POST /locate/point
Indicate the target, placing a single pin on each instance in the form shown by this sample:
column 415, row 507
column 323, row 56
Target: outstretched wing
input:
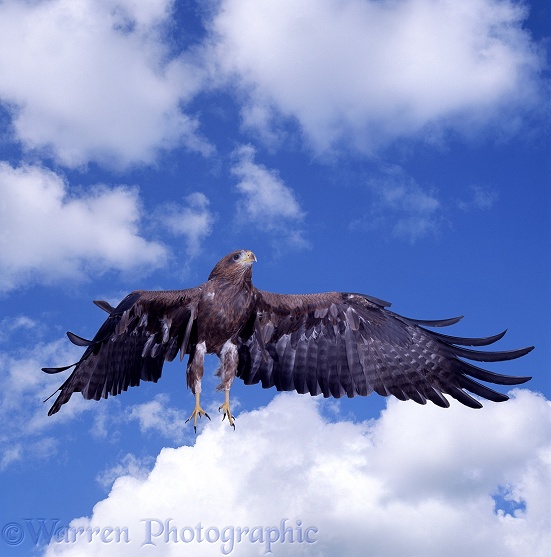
column 141, row 333
column 348, row 344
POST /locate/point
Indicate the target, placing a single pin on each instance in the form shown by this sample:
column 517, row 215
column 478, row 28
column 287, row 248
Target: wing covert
column 146, row 329
column 339, row 344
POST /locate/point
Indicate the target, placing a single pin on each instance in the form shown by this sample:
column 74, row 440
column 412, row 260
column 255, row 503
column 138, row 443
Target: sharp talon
column 226, row 411
column 197, row 413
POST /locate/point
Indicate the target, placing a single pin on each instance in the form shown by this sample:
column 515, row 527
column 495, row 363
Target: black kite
column 332, row 343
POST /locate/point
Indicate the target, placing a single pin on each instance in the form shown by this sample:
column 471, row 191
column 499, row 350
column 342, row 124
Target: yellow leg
column 197, row 412
column 226, row 408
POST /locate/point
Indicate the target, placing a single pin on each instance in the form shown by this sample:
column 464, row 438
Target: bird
column 332, row 344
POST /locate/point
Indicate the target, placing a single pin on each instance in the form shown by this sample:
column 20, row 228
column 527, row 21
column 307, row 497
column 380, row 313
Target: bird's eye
column 236, row 256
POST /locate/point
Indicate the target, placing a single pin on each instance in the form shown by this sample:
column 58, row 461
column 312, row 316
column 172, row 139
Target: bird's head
column 235, row 265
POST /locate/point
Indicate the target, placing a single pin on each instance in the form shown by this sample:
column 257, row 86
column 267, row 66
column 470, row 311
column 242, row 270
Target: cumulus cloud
column 193, row 220
column 365, row 73
column 23, row 387
column 87, row 80
column 266, row 201
column 47, row 234
column 129, row 465
column 100, row 81
column 158, row 418
column 413, row 481
column 401, row 206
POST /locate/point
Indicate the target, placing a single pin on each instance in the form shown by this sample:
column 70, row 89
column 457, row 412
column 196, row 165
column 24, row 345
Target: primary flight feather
column 333, row 343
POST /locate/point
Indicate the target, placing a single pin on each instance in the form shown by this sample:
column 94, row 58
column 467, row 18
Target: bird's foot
column 227, row 412
column 197, row 413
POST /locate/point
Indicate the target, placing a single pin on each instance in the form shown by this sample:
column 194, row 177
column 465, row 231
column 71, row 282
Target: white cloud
column 47, row 234
column 88, row 80
column 401, row 206
column 266, row 197
column 412, row 482
column 193, row 220
column 365, row 73
column 9, row 325
column 267, row 202
column 23, row 388
column 156, row 417
column 129, row 465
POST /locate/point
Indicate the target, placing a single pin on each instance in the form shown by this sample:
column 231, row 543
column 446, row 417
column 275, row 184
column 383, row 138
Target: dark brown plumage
column 332, row 343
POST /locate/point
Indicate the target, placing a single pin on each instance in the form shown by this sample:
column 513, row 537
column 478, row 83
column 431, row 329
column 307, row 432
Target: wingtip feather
column 52, row 370
column 78, row 341
column 105, row 306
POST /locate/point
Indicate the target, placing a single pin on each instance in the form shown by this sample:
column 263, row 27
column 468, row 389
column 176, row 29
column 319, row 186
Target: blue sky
column 399, row 149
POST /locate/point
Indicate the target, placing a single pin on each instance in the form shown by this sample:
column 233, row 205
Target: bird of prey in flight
column 332, row 343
